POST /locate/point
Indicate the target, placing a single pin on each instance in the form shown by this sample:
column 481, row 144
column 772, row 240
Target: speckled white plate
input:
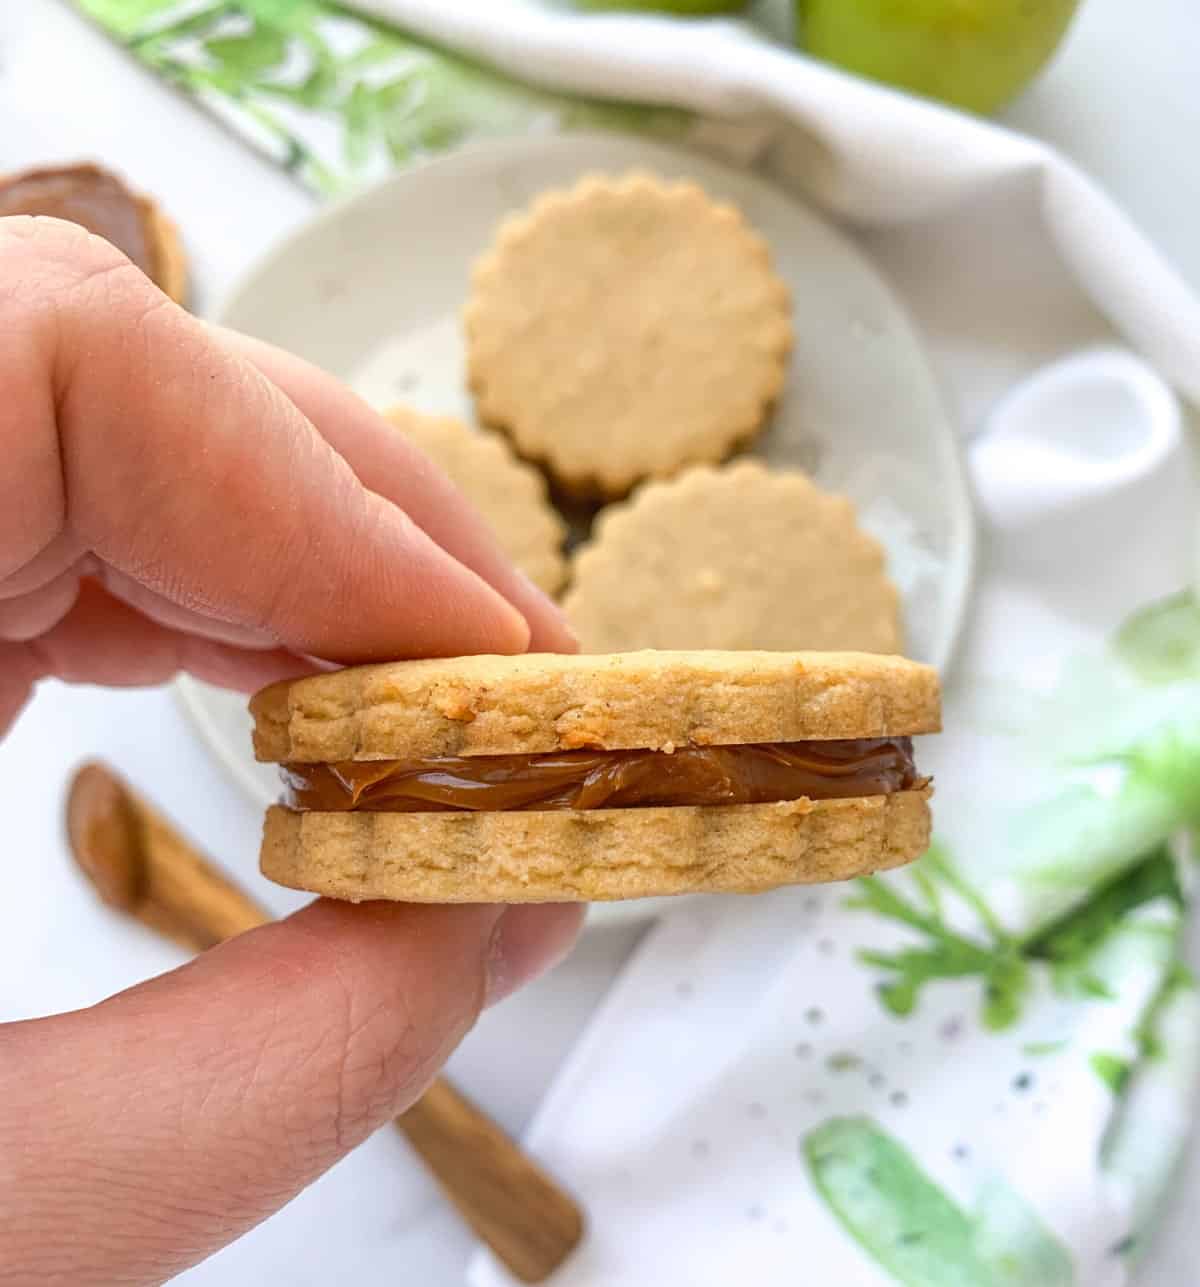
column 371, row 290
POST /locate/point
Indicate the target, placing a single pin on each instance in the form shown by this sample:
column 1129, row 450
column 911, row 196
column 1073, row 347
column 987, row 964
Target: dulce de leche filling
column 689, row 775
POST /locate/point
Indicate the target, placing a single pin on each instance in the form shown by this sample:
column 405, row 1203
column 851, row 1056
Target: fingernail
column 522, row 627
column 529, row 940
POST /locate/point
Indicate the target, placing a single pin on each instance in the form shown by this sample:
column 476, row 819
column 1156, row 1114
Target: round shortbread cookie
column 591, row 855
column 547, row 702
column 510, row 494
column 625, row 329
column 737, row 557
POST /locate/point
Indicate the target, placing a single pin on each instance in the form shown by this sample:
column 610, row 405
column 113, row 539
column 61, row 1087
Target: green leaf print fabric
column 891, row 1208
column 337, row 98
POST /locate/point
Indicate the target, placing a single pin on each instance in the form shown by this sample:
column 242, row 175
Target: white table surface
column 1121, row 98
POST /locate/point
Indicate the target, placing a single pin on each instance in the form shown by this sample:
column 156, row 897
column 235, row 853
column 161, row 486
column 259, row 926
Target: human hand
column 176, row 498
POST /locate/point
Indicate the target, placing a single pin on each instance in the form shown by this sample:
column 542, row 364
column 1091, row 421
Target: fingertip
column 393, row 467
column 549, row 629
column 522, row 630
column 529, row 940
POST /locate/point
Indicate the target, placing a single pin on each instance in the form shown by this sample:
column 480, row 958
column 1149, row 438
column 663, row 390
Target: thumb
column 145, row 1132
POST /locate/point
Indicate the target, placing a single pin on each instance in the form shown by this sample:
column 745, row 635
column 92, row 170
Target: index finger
column 178, row 463
column 389, row 464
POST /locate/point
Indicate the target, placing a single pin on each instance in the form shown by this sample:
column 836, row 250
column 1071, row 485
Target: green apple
column 976, row 54
column 667, row 6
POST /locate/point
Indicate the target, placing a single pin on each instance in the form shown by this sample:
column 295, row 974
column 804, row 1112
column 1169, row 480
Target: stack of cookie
column 546, row 778
column 625, row 338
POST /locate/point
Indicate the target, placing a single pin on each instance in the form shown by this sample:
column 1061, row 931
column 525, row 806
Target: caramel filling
column 86, row 195
column 690, row 775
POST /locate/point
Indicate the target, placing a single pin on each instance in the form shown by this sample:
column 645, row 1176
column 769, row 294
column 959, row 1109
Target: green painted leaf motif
column 1037, row 1049
column 948, row 959
column 914, row 1230
column 995, row 960
column 938, row 863
column 1149, row 1036
column 247, row 57
column 1074, row 980
column 1112, row 1070
column 125, row 18
column 999, row 961
column 293, row 15
column 1170, row 764
column 1005, row 988
column 899, row 997
column 1011, row 1238
column 320, row 89
column 1073, row 936
column 1161, row 643
column 925, row 882
column 891, row 1208
column 360, row 119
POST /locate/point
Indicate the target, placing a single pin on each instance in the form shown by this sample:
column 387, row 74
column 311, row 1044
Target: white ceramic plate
column 371, row 290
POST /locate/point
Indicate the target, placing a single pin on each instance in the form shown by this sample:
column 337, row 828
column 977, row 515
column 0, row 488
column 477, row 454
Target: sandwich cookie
column 548, row 778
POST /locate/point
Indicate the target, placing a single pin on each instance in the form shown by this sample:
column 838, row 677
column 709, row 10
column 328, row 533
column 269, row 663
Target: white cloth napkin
column 992, row 1097
column 744, row 1108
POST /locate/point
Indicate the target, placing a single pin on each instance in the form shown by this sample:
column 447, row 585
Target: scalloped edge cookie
column 550, row 702
column 591, row 855
column 736, row 557
column 624, row 329
column 511, row 495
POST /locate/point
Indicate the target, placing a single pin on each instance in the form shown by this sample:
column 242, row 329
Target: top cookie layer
column 544, row 702
column 510, row 494
column 625, row 329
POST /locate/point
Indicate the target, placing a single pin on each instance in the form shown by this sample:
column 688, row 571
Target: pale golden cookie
column 546, row 702
column 737, row 557
column 510, row 494
column 591, row 855
column 847, row 709
column 625, row 329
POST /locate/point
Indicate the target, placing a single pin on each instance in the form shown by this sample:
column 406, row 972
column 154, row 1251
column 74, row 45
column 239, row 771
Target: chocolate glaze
column 89, row 196
column 691, row 775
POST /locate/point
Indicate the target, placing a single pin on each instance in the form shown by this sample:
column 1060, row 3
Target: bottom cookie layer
column 591, row 855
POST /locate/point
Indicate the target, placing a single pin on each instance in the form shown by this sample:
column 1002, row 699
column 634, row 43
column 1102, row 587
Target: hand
column 173, row 497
